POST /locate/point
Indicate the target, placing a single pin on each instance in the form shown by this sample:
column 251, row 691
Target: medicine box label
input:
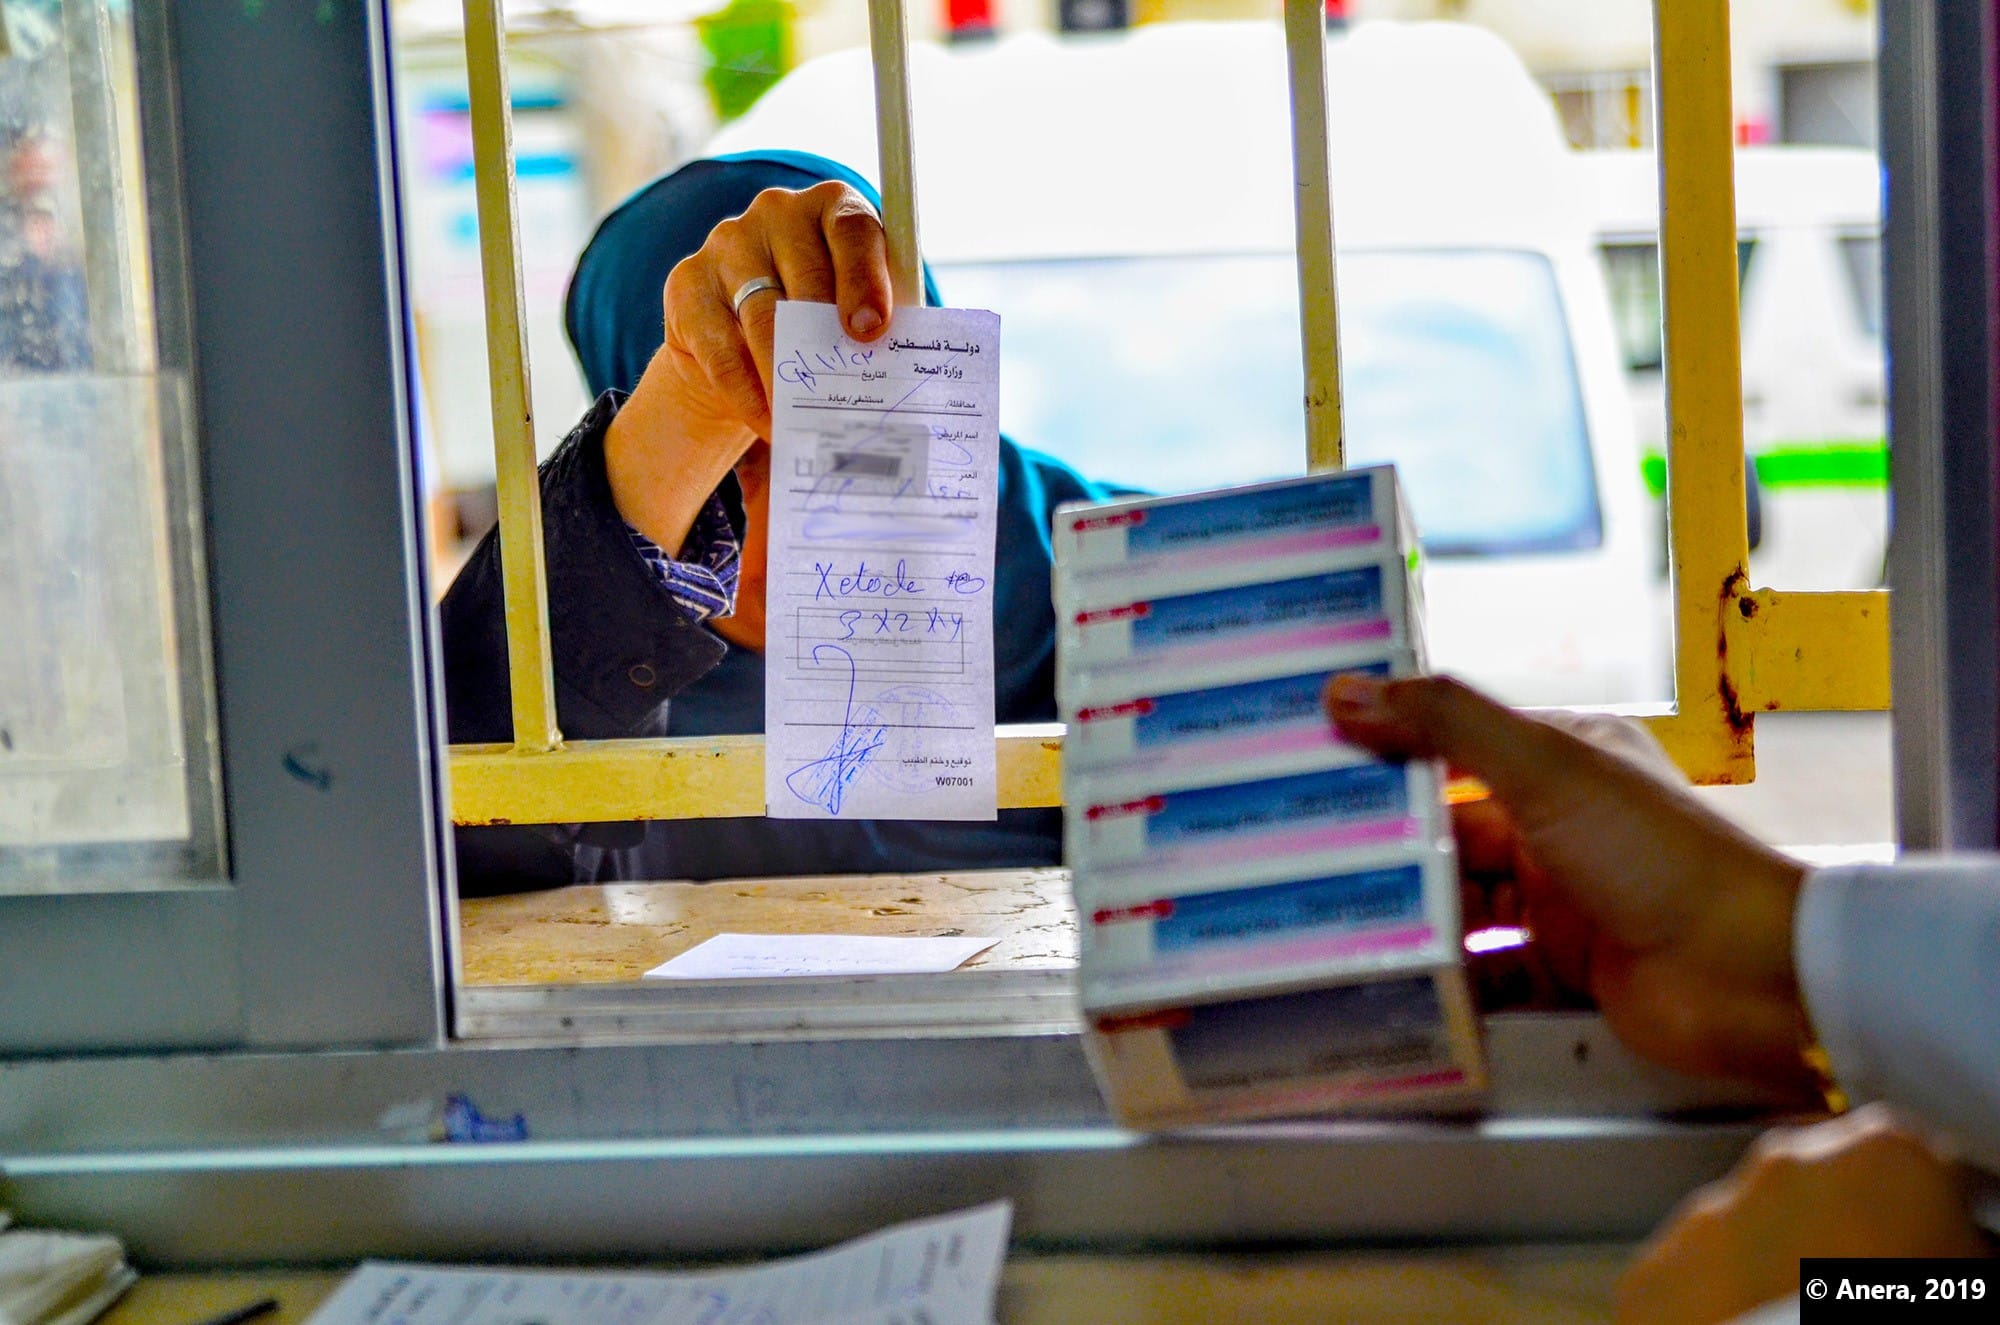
column 1258, row 521
column 1388, row 896
column 1385, row 1042
column 1297, row 931
column 1236, row 915
column 1349, row 607
column 1360, row 805
column 1386, row 1027
column 1256, row 722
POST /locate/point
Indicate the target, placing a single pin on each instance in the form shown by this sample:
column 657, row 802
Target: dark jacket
column 629, row 661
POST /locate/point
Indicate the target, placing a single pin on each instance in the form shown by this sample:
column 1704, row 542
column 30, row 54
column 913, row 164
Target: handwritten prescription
column 878, row 662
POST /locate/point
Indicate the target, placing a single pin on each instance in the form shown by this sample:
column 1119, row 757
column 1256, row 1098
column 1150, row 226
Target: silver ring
column 755, row 285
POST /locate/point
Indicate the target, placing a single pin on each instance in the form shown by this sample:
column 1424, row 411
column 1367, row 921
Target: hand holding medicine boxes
column 1270, row 917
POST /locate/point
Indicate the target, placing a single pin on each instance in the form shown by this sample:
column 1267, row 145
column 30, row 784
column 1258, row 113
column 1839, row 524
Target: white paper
column 47, row 1277
column 944, row 1270
column 741, row 956
column 878, row 660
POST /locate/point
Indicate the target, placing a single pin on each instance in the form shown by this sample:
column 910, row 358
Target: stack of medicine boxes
column 1270, row 918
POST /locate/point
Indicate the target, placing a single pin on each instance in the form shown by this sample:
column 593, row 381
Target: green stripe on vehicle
column 1830, row 465
column 1822, row 465
column 1654, row 466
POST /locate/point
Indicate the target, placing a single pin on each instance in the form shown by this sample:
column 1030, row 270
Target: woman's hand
column 704, row 404
column 1678, row 923
column 1859, row 1185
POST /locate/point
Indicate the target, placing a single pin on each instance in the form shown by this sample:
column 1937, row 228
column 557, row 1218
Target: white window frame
column 280, row 1128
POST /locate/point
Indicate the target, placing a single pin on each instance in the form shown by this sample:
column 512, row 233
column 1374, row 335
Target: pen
column 250, row 1311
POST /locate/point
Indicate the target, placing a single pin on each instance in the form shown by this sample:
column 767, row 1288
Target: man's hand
column 1859, row 1185
column 704, row 402
column 1678, row 924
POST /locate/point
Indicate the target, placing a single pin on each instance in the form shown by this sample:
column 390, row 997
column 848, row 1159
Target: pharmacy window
column 324, row 317
column 1481, row 354
column 165, row 276
column 1524, row 479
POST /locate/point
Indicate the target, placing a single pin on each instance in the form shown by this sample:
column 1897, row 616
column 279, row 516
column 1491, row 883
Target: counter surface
column 1551, row 1285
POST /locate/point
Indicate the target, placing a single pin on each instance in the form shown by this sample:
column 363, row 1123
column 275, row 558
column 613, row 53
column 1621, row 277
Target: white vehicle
column 1809, row 226
column 1125, row 203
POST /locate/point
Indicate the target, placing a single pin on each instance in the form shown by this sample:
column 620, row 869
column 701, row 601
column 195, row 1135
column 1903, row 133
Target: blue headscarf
column 613, row 313
column 614, row 319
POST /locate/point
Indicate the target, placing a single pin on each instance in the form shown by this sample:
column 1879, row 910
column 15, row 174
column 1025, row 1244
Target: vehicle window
column 1632, row 271
column 1183, row 372
column 1862, row 256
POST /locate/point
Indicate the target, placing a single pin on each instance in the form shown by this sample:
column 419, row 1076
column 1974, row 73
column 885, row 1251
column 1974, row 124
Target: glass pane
column 1862, row 256
column 107, row 731
column 1632, row 271
column 1499, row 465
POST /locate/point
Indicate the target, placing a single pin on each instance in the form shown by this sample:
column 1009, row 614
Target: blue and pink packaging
column 1391, row 1043
column 1211, row 539
column 1261, row 727
column 1235, row 865
column 1122, row 642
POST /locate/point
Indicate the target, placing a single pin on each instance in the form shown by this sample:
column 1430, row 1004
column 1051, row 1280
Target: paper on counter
column 944, row 1270
column 53, row 1278
column 878, row 658
column 749, row 956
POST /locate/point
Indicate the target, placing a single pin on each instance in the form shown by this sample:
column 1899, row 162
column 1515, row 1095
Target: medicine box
column 1113, row 645
column 1398, row 1041
column 1262, row 727
column 1346, row 917
column 1208, row 539
column 1234, row 864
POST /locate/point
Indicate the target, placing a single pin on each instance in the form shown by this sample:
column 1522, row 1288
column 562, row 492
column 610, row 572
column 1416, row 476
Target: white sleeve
column 1900, row 965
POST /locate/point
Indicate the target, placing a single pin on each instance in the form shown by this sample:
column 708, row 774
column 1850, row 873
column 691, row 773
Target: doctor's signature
column 824, row 781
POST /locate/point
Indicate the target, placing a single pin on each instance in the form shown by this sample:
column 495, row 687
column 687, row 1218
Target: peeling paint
column 1732, row 708
column 1735, row 586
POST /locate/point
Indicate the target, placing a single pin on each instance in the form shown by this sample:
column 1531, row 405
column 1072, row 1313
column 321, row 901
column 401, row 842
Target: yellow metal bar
column 716, row 777
column 1737, row 652
column 1809, row 651
column 889, row 45
column 520, row 494
column 1708, row 546
column 1312, row 200
column 1693, row 746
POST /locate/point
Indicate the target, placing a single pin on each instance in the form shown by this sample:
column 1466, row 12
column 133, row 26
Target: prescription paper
column 878, row 662
column 944, row 1271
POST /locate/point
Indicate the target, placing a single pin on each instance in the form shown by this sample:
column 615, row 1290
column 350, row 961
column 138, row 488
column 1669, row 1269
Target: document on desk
column 767, row 956
column 878, row 660
column 944, row 1271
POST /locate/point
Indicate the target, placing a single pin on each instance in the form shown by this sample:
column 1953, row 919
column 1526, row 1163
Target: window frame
column 300, row 388
column 1938, row 114
column 714, row 1139
column 1739, row 651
